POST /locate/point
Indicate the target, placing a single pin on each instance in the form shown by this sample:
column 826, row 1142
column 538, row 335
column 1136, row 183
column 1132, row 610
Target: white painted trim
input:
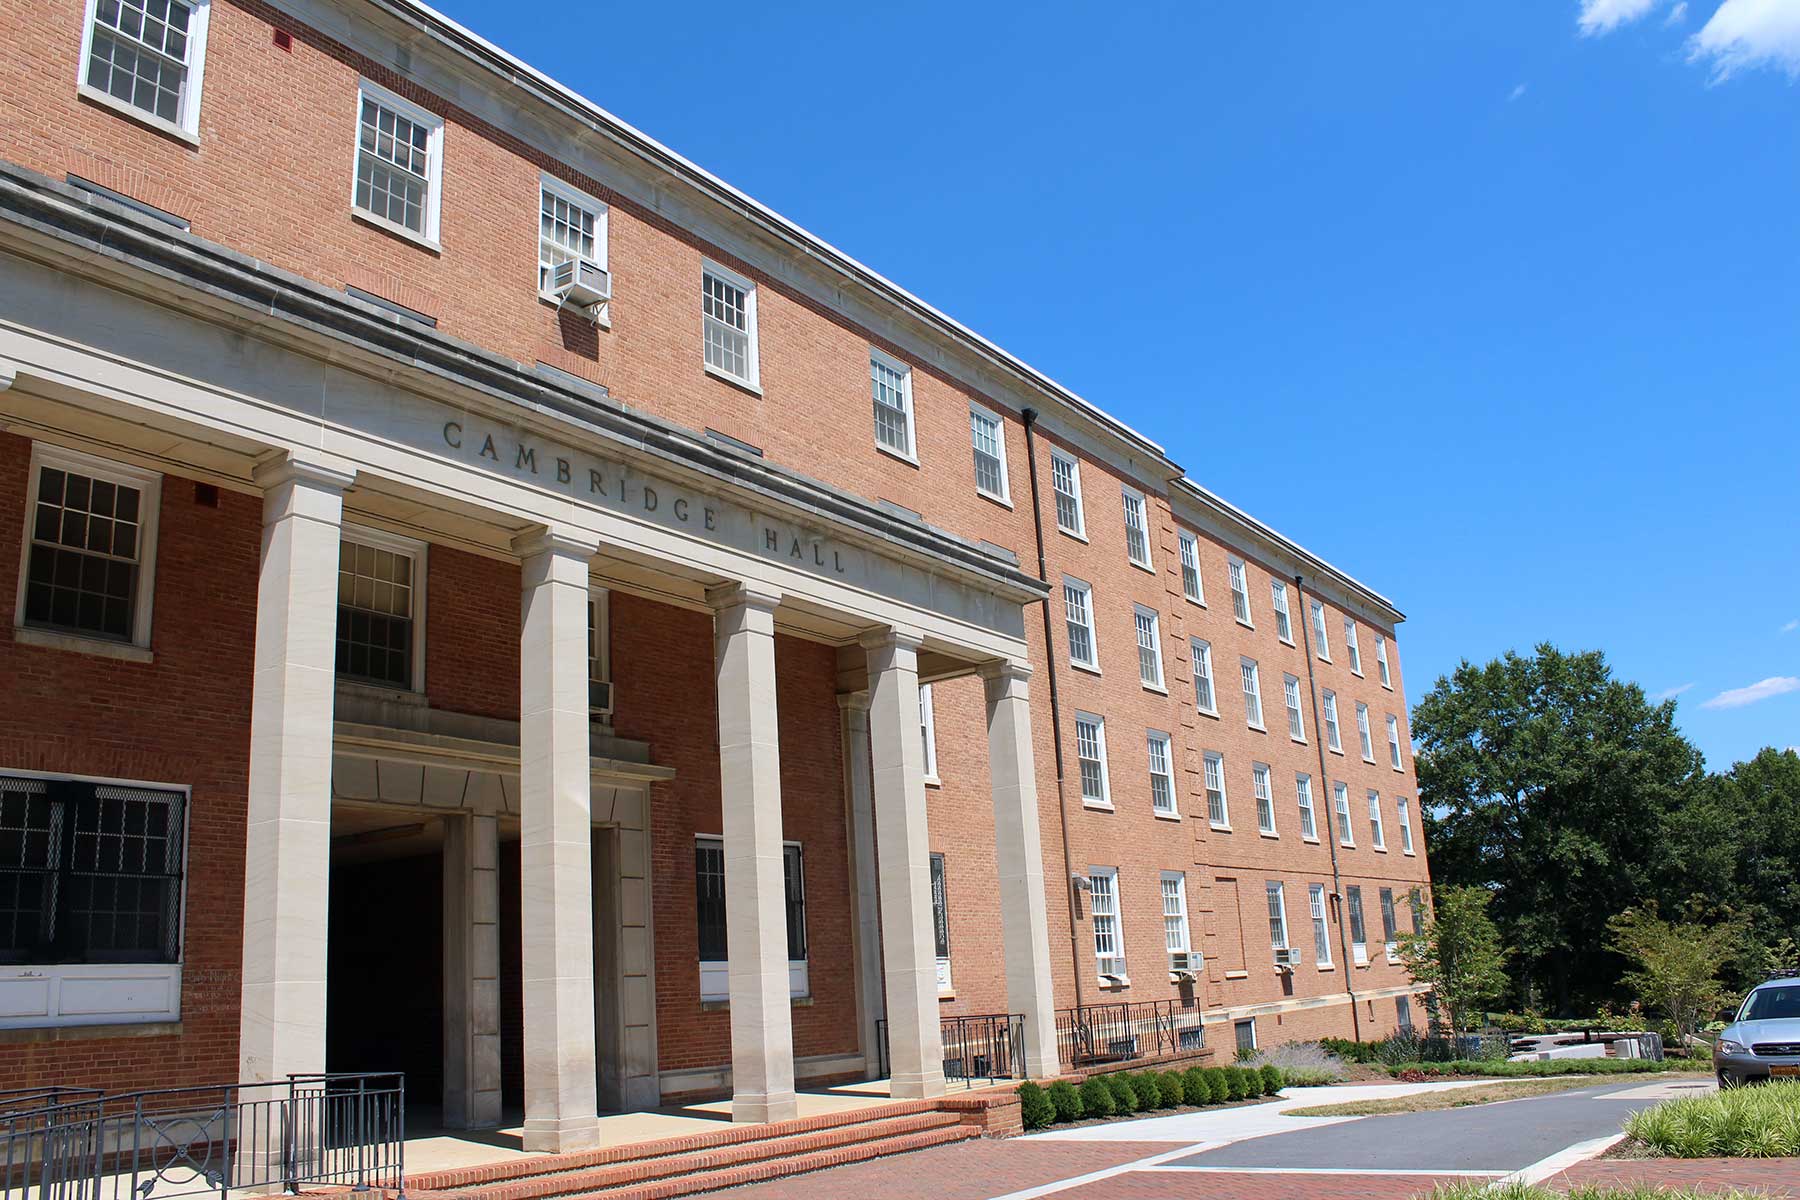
column 434, row 162
column 1127, row 492
column 602, row 228
column 187, row 128
column 1099, row 723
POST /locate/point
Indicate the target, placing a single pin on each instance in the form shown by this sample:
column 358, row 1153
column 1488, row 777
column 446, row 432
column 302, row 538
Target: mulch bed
column 1157, row 1112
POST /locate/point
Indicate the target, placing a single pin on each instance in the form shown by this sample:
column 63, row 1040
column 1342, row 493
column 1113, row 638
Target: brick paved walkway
column 1774, row 1176
column 968, row 1171
column 1224, row 1185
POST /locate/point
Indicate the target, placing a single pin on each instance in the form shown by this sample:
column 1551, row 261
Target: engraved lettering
column 795, row 551
column 818, row 555
column 487, row 449
column 595, row 483
column 712, row 519
column 453, row 435
column 681, row 509
column 772, row 540
column 838, row 560
column 527, row 458
column 562, row 470
column 649, row 499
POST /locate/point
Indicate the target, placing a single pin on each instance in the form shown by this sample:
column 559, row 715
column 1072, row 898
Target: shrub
column 1307, row 1077
column 1235, row 1081
column 1271, row 1079
column 1148, row 1086
column 1174, row 1090
column 1125, row 1097
column 1310, row 1061
column 1035, row 1108
column 1097, row 1097
column 1756, row 1122
column 1066, row 1101
column 1532, row 1069
column 1218, row 1083
column 1195, row 1087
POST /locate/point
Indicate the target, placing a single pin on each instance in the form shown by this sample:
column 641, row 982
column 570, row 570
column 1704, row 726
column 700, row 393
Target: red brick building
column 328, row 332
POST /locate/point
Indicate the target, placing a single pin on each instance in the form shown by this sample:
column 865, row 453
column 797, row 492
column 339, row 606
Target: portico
column 552, row 481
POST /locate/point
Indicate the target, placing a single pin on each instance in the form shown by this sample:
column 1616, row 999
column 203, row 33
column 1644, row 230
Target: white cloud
column 1604, row 16
column 1749, row 33
column 1791, row 626
column 1518, row 90
column 1677, row 15
column 1670, row 693
column 1763, row 689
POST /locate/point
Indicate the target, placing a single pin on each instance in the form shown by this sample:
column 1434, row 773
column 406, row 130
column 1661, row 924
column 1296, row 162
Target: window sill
column 1158, row 688
column 1245, row 624
column 1369, row 760
column 736, row 381
column 1298, row 741
column 909, row 459
column 1311, row 841
column 1145, row 567
column 396, row 229
column 1286, row 641
column 1268, row 833
column 51, row 639
column 1379, row 849
column 1165, row 816
column 1117, row 983
column 946, row 997
column 1327, row 966
column 34, row 1034
column 1356, row 672
column 1410, row 853
column 1346, row 845
column 130, row 113
column 933, row 781
column 1324, row 658
column 725, row 1005
column 383, row 691
column 1081, row 666
column 1070, row 533
column 1193, row 600
column 1098, row 806
column 1254, row 726
column 1337, row 750
column 1217, row 828
column 1208, row 712
column 1003, row 501
column 1237, row 974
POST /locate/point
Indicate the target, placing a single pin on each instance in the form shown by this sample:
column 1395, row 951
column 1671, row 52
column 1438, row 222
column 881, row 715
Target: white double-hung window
column 1191, row 584
column 1065, row 483
column 728, row 324
column 1332, row 738
column 928, row 731
column 1351, row 644
column 1240, row 590
column 1362, row 732
column 1340, row 802
column 989, row 441
column 1403, row 813
column 1103, row 909
column 1315, row 896
column 147, row 56
column 1252, row 679
column 1265, row 798
column 571, row 228
column 1278, row 930
column 890, row 389
column 90, row 548
column 1149, row 644
column 399, row 163
column 1393, row 728
column 1309, row 828
column 1176, row 938
column 710, row 910
column 1078, row 615
column 380, row 609
column 1284, row 623
column 1218, row 813
column 1381, row 661
column 1359, row 935
column 1377, row 835
column 1319, row 634
column 1290, row 693
column 1162, row 780
column 1137, row 529
column 1090, row 752
column 1203, row 677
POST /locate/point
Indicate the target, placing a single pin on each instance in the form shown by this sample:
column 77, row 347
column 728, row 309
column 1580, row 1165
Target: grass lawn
column 1514, row 1089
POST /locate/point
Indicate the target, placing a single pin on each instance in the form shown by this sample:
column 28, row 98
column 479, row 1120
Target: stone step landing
column 726, row 1157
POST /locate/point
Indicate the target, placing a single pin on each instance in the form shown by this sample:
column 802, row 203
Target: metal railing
column 1095, row 1034
column 983, row 1047
column 342, row 1131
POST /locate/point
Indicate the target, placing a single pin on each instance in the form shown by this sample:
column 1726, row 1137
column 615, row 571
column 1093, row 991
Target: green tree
column 1458, row 954
column 1551, row 785
column 1677, row 964
column 1749, row 817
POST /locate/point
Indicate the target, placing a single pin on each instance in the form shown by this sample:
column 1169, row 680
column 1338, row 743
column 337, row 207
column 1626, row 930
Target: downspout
column 1331, row 837
column 1062, row 797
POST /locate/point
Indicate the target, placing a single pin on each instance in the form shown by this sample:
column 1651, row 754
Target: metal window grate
column 86, row 542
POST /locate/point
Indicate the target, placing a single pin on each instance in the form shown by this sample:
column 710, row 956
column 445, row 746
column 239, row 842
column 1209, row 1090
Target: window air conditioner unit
column 1178, row 960
column 1287, row 956
column 600, row 699
column 580, row 283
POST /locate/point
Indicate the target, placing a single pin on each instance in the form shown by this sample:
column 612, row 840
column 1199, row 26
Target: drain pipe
column 1331, row 837
column 1062, row 797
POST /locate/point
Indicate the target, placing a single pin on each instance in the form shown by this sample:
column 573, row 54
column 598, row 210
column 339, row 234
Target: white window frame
column 1190, row 563
column 1351, row 644
column 1275, row 894
column 1263, row 789
column 1201, row 651
column 1004, row 495
column 1321, row 924
column 1362, row 732
column 1064, row 459
column 1115, row 912
column 1377, row 831
column 1140, row 613
column 381, row 539
column 911, row 453
column 1334, row 739
column 1129, row 496
column 1212, row 766
column 148, row 485
column 575, row 198
column 1381, row 662
column 1237, row 574
column 1290, row 696
column 187, row 124
column 434, row 163
column 1320, row 631
column 1340, row 803
column 1178, row 936
column 1403, row 815
column 1390, row 923
column 1250, row 677
column 1303, row 799
column 1393, row 732
column 945, row 985
column 1157, row 742
column 928, row 732
column 1086, row 591
column 600, row 647
column 753, row 352
column 1099, row 724
column 1284, row 618
column 715, row 976
column 1356, row 915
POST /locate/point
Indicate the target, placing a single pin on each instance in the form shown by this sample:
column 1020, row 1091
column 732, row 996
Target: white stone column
column 287, row 839
column 556, row 846
column 908, row 941
column 471, row 971
column 762, row 1033
column 859, row 794
column 1019, row 855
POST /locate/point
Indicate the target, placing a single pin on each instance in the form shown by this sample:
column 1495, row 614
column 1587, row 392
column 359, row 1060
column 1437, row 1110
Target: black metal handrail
column 980, row 1047
column 334, row 1130
column 1095, row 1034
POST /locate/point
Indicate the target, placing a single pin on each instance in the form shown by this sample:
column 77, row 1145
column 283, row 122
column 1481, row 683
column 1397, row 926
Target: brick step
column 781, row 1168
column 718, row 1160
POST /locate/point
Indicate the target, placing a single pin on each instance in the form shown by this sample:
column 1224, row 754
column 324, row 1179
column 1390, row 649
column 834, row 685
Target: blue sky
column 1495, row 305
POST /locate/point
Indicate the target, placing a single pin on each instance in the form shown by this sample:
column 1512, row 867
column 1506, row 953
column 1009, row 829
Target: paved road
column 1500, row 1137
